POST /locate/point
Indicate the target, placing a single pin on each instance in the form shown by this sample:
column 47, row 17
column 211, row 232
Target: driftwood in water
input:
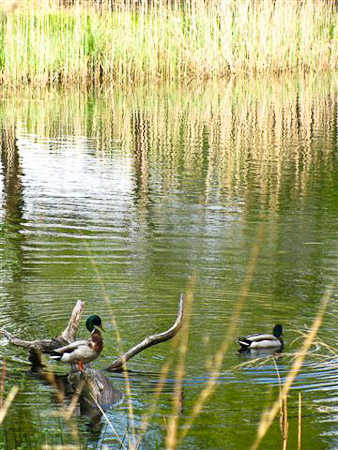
column 90, row 389
column 69, row 333
column 97, row 388
column 47, row 345
column 94, row 389
column 150, row 340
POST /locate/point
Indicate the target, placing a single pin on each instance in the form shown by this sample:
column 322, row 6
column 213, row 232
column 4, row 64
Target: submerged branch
column 151, row 340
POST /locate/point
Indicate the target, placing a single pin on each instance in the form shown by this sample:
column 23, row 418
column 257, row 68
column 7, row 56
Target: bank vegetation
column 95, row 42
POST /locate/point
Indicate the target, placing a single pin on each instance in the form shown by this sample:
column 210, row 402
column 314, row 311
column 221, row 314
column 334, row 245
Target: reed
column 132, row 439
column 218, row 358
column 299, row 421
column 7, row 403
column 173, row 422
column 50, row 42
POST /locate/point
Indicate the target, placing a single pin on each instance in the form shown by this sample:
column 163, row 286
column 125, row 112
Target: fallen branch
column 46, row 345
column 96, row 388
column 149, row 341
column 69, row 333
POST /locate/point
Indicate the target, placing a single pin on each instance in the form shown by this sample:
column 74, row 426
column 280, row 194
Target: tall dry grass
column 5, row 405
column 48, row 42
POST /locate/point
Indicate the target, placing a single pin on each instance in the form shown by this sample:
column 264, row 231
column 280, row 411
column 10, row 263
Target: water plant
column 102, row 41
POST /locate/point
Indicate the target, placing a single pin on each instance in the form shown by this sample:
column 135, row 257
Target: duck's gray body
column 261, row 341
column 77, row 351
column 85, row 350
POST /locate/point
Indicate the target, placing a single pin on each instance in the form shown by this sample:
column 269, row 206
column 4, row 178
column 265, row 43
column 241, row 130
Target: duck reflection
column 86, row 393
column 263, row 353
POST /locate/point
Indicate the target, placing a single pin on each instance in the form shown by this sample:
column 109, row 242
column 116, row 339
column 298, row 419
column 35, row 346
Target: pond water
column 121, row 199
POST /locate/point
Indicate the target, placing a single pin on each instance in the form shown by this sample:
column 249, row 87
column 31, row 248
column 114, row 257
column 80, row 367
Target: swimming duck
column 263, row 341
column 82, row 351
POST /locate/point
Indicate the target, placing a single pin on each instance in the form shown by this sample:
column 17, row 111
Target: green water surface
column 121, row 199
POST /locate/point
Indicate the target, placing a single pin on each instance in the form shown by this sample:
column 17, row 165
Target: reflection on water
column 117, row 198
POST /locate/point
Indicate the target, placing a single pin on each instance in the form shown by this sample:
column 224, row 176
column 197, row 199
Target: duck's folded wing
column 272, row 342
column 71, row 347
column 261, row 337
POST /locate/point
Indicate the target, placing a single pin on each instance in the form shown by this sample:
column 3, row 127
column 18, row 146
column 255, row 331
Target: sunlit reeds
column 218, row 358
column 93, row 42
column 7, row 403
column 299, row 421
column 132, row 438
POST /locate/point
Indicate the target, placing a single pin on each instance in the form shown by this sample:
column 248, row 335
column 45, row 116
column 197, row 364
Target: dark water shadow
column 89, row 393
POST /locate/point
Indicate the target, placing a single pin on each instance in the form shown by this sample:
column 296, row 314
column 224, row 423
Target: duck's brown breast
column 97, row 342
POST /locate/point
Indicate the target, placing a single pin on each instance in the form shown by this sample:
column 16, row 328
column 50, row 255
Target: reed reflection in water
column 219, row 133
column 150, row 186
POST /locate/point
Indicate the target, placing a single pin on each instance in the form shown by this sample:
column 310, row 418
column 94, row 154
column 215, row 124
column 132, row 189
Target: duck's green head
column 278, row 331
column 93, row 322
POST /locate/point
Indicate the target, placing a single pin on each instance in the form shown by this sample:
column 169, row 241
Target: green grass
column 46, row 43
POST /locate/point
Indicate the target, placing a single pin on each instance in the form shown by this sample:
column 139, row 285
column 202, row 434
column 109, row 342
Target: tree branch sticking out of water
column 69, row 333
column 66, row 337
column 92, row 385
column 149, row 341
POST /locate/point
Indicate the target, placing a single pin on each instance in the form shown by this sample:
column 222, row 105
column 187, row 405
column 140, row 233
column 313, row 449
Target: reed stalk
column 7, row 403
column 173, row 423
column 210, row 384
column 146, row 418
column 89, row 42
column 299, row 421
column 119, row 342
column 284, row 425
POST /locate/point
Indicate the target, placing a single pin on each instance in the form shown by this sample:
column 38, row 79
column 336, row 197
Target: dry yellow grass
column 46, row 43
column 7, row 403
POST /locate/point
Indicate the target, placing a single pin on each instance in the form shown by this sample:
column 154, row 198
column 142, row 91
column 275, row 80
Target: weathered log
column 69, row 333
column 149, row 341
column 90, row 388
column 47, row 345
column 97, row 388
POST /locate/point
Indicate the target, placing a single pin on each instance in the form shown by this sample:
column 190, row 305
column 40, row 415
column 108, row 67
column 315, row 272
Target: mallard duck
column 263, row 341
column 82, row 351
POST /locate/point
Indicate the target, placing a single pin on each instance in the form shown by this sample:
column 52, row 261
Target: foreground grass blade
column 268, row 416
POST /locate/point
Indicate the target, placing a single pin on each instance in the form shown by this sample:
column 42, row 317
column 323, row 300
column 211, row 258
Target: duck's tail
column 56, row 355
column 244, row 343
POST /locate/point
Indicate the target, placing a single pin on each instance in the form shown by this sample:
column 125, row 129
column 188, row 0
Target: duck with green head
column 263, row 341
column 82, row 351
